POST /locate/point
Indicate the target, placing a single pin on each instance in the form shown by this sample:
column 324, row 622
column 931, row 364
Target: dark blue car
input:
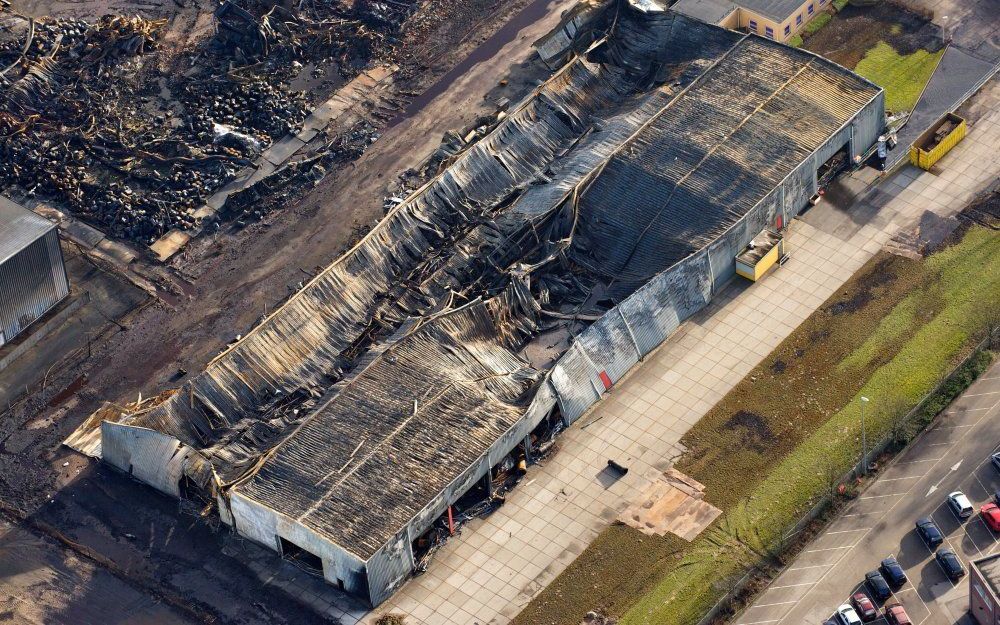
column 877, row 585
column 930, row 532
column 892, row 572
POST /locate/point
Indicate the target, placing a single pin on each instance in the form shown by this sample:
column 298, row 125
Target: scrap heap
column 96, row 119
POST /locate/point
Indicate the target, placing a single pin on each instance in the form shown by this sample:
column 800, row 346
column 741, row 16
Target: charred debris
column 106, row 120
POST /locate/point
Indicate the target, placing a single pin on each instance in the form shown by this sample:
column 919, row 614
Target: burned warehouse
column 32, row 275
column 502, row 298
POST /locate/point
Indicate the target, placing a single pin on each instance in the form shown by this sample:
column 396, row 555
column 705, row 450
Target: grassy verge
column 817, row 22
column 773, row 446
column 902, row 76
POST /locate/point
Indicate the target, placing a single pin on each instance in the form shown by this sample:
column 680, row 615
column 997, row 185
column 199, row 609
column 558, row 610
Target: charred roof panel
column 709, row 156
column 413, row 419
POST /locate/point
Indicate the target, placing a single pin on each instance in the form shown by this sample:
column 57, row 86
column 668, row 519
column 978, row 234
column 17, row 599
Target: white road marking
column 771, row 605
column 884, row 515
column 803, row 568
column 860, row 529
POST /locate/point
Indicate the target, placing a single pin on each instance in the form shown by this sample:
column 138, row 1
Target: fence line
column 853, row 472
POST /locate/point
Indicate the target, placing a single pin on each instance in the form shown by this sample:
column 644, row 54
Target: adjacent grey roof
column 989, row 568
column 778, row 10
column 19, row 228
column 711, row 11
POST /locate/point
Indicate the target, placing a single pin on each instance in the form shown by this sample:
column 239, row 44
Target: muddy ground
column 98, row 520
column 855, row 30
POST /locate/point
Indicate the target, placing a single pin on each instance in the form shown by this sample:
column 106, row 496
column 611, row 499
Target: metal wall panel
column 32, row 281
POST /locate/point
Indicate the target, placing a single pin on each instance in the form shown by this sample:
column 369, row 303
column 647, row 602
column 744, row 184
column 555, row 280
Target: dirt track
column 150, row 550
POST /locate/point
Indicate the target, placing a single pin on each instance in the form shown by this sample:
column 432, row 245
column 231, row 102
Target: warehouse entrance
column 300, row 556
column 833, row 166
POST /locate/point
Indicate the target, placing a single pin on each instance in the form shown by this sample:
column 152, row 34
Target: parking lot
column 952, row 455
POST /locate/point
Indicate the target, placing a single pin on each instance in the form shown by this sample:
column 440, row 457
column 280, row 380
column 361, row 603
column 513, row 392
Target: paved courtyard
column 496, row 565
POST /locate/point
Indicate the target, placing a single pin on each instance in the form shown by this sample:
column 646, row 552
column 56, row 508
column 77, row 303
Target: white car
column 960, row 505
column 847, row 616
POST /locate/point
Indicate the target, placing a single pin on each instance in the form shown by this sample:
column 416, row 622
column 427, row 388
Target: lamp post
column 864, row 439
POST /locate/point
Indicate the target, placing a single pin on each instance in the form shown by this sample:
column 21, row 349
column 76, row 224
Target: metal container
column 32, row 275
column 937, row 141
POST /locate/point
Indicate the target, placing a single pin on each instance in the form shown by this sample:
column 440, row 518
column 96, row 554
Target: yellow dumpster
column 937, row 141
column 760, row 255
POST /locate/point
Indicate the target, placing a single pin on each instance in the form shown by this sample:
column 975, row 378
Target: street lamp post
column 864, row 439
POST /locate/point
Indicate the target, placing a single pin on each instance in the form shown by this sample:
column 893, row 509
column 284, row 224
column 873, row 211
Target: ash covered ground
column 101, row 548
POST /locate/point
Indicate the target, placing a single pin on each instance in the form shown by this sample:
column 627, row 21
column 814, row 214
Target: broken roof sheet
column 415, row 417
column 19, row 227
column 710, row 156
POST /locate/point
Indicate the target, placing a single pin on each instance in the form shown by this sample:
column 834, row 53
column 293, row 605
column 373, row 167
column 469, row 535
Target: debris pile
column 95, row 120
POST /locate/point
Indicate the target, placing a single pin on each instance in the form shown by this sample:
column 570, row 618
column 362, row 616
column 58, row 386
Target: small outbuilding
column 984, row 590
column 32, row 275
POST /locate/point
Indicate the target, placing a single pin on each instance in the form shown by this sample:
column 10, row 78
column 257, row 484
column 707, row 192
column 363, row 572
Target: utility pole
column 864, row 439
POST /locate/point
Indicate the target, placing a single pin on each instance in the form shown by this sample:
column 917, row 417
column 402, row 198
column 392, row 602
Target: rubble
column 92, row 121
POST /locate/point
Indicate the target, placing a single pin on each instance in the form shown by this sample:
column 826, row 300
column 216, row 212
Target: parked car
column 950, row 563
column 960, row 505
column 895, row 614
column 847, row 616
column 892, row 572
column 877, row 585
column 996, row 496
column 930, row 532
column 991, row 516
column 995, row 459
column 864, row 606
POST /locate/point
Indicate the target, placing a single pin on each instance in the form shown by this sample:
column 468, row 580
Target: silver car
column 847, row 616
column 960, row 505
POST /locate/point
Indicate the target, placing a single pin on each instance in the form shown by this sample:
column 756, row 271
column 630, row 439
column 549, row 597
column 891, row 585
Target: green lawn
column 902, row 77
column 768, row 450
column 817, row 22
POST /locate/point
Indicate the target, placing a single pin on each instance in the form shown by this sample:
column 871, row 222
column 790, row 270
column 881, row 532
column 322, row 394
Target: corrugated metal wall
column 625, row 334
column 31, row 282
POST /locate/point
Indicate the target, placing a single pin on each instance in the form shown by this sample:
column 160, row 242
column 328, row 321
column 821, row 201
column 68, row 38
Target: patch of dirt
column 755, row 433
column 864, row 290
column 779, row 366
column 855, row 30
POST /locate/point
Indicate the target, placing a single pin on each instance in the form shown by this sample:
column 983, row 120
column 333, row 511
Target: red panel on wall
column 606, row 379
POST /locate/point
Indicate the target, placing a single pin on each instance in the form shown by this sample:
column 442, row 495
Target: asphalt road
column 951, row 455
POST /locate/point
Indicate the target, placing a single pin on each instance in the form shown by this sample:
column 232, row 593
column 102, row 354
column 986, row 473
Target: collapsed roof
column 385, row 376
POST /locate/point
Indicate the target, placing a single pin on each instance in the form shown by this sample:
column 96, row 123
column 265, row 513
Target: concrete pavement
column 498, row 564
column 952, row 455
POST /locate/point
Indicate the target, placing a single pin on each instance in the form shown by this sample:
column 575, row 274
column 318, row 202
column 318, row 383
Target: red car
column 864, row 606
column 991, row 515
column 896, row 615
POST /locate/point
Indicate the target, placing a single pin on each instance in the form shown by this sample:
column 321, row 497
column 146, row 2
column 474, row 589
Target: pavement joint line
column 984, row 394
column 881, row 496
column 920, row 461
column 788, row 586
column 953, row 427
column 891, row 508
column 829, row 549
column 774, row 620
column 896, row 479
column 771, row 605
column 803, row 568
column 860, row 529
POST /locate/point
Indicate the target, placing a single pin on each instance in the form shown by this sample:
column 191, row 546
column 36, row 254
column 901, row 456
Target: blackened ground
column 103, row 521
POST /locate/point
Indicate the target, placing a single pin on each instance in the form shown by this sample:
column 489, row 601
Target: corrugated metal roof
column 709, row 156
column 411, row 421
column 19, row 227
